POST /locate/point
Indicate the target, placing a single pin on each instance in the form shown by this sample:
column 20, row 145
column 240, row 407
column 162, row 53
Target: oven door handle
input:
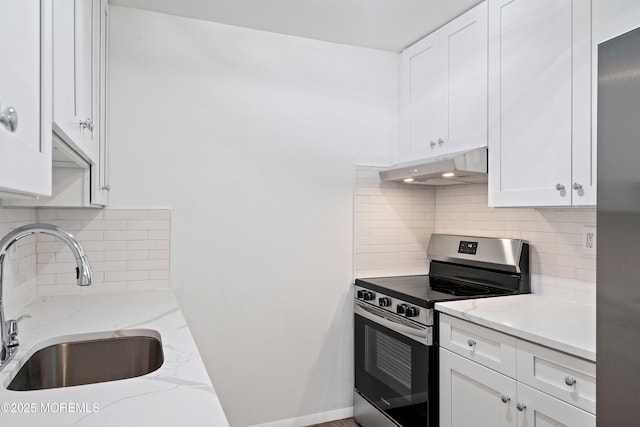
column 422, row 334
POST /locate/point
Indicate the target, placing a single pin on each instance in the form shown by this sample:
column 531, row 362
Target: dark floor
column 347, row 422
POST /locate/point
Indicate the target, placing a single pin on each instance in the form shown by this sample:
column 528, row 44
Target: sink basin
column 94, row 358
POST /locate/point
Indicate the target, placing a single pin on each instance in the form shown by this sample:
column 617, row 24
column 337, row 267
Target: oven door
column 395, row 365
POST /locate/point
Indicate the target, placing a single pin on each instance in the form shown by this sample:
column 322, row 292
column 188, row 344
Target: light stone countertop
column 553, row 322
column 178, row 393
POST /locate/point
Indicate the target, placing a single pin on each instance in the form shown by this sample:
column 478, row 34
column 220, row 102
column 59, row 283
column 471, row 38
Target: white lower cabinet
column 549, row 388
column 472, row 395
column 541, row 410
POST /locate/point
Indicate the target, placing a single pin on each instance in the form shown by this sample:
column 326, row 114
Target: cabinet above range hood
column 465, row 167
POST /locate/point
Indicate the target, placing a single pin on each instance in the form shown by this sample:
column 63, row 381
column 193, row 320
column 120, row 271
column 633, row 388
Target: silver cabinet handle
column 9, row 118
column 559, row 187
column 440, row 141
column 505, row 398
column 521, row 407
column 106, row 188
column 432, row 144
column 471, row 342
column 577, row 186
column 86, row 124
column 568, row 380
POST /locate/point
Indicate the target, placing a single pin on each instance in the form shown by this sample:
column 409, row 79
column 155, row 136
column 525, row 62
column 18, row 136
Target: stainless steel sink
column 94, row 358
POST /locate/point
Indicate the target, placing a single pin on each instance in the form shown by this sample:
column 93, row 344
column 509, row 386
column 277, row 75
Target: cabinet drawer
column 565, row 377
column 490, row 348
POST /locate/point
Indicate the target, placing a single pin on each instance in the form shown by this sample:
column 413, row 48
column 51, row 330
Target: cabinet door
column 418, row 99
column 472, row 395
column 463, row 75
column 25, row 153
column 99, row 171
column 531, row 64
column 542, row 410
column 73, row 103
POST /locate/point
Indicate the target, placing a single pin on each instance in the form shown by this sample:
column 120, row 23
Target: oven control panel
column 469, row 248
column 394, row 305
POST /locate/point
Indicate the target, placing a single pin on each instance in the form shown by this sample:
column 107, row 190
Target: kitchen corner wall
column 559, row 267
column 128, row 250
column 392, row 226
column 20, row 278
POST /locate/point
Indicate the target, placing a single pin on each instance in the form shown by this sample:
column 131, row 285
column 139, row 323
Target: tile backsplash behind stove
column 385, row 214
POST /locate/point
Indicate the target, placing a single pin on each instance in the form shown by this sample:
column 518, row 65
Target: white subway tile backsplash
column 147, row 244
column 392, row 226
column 148, row 224
column 125, row 235
column 124, row 214
column 554, row 235
column 159, row 274
column 382, row 214
column 120, row 246
column 101, row 224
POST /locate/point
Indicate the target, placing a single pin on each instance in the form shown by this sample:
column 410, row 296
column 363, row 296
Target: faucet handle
column 12, row 329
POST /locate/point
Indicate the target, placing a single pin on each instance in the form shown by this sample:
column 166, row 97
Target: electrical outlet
column 588, row 240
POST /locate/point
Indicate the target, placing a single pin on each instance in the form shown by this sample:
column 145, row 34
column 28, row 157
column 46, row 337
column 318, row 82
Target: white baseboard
column 307, row 420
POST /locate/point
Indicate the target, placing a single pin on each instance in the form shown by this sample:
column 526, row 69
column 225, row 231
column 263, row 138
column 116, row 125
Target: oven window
column 395, row 373
column 389, row 360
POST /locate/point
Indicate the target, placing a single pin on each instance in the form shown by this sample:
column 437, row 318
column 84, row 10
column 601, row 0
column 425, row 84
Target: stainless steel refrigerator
column 618, row 260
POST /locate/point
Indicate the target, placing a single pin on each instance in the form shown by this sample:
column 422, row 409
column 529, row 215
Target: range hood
column 465, row 167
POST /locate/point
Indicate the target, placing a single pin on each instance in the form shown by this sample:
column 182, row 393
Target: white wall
column 251, row 138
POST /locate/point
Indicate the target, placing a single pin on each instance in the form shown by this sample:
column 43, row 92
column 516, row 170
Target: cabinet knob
column 577, row 186
column 9, row 118
column 86, row 124
column 471, row 342
column 568, row 380
column 559, row 187
column 521, row 407
column 440, row 141
column 432, row 144
column 505, row 398
column 106, row 188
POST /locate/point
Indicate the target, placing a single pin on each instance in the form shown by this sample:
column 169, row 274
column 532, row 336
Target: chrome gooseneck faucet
column 9, row 329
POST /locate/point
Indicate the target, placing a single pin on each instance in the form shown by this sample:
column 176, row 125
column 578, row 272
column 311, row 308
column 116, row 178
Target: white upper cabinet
column 79, row 157
column 25, row 97
column 74, row 75
column 99, row 191
column 541, row 151
column 443, row 89
column 418, row 99
column 612, row 18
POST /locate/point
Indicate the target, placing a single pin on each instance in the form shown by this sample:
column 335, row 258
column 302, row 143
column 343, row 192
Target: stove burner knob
column 368, row 296
column 360, row 294
column 402, row 308
column 384, row 302
column 411, row 312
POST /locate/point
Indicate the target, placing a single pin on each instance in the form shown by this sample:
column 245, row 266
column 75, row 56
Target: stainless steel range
column 396, row 365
